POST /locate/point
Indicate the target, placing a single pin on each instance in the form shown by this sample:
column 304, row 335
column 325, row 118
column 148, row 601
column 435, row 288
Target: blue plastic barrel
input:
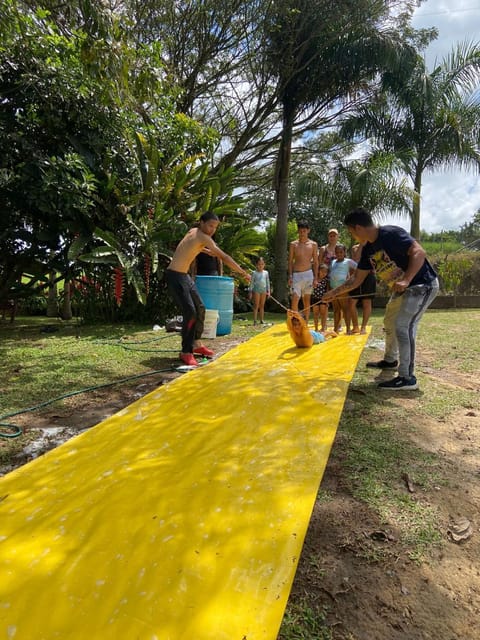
column 217, row 293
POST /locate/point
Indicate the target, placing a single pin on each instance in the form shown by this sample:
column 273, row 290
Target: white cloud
column 456, row 21
column 449, row 198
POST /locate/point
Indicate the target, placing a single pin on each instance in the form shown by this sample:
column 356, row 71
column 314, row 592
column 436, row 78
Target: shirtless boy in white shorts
column 302, row 268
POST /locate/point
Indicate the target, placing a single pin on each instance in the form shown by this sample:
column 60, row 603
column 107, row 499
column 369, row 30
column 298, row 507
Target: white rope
column 279, row 303
column 361, row 295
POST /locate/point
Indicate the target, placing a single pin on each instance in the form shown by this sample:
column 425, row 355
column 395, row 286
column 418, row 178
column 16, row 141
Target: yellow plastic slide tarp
column 182, row 517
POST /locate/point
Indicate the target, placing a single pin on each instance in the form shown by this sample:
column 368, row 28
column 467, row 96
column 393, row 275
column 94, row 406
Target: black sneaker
column 383, row 364
column 399, row 383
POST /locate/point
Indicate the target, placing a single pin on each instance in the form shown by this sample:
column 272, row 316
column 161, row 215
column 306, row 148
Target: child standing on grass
column 341, row 268
column 320, row 308
column 259, row 290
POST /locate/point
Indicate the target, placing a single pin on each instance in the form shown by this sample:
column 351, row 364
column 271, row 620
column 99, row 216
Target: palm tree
column 323, row 55
column 335, row 189
column 428, row 119
column 237, row 237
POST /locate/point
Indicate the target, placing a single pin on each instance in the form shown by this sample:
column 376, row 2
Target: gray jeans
column 402, row 315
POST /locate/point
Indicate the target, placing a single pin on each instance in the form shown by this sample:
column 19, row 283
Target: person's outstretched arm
column 228, row 260
column 351, row 283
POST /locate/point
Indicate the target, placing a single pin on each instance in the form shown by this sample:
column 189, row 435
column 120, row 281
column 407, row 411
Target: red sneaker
column 188, row 359
column 204, row 351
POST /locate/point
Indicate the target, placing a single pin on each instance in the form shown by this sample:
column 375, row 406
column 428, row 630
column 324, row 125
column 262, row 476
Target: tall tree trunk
column 52, row 300
column 415, row 221
column 281, row 184
column 66, row 311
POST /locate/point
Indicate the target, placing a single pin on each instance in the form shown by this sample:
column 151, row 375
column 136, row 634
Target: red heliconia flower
column 147, row 268
column 118, row 271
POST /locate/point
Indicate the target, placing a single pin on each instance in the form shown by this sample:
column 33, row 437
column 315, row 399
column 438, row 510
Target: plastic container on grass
column 211, row 323
column 217, row 294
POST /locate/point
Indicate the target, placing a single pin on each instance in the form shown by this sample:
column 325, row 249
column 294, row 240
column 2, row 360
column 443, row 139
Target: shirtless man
column 182, row 287
column 302, row 268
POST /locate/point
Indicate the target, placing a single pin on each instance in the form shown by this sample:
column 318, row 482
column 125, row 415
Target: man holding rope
column 182, row 287
column 401, row 262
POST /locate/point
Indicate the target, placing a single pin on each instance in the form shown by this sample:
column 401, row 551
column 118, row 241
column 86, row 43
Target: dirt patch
column 353, row 567
column 455, row 379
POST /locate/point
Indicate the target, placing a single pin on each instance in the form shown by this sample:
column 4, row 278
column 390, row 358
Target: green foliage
column 441, row 248
column 34, row 306
column 238, row 238
column 96, row 123
column 321, row 65
column 175, row 192
column 450, row 241
column 92, row 145
column 470, row 232
column 270, row 233
column 325, row 191
column 455, row 255
column 58, row 132
column 452, row 270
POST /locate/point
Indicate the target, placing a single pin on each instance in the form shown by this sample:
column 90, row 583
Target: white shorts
column 302, row 283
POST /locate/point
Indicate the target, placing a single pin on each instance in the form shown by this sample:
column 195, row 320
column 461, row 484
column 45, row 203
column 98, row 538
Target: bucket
column 210, row 323
column 216, row 293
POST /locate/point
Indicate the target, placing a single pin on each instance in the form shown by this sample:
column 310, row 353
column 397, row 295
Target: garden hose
column 17, row 431
column 128, row 347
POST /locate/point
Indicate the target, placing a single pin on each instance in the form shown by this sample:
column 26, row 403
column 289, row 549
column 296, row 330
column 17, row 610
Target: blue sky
column 449, row 198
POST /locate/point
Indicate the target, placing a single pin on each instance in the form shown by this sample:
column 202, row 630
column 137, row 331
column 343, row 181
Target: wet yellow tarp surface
column 182, row 517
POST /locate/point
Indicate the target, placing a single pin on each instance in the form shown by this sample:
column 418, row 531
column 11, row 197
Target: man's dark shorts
column 366, row 289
